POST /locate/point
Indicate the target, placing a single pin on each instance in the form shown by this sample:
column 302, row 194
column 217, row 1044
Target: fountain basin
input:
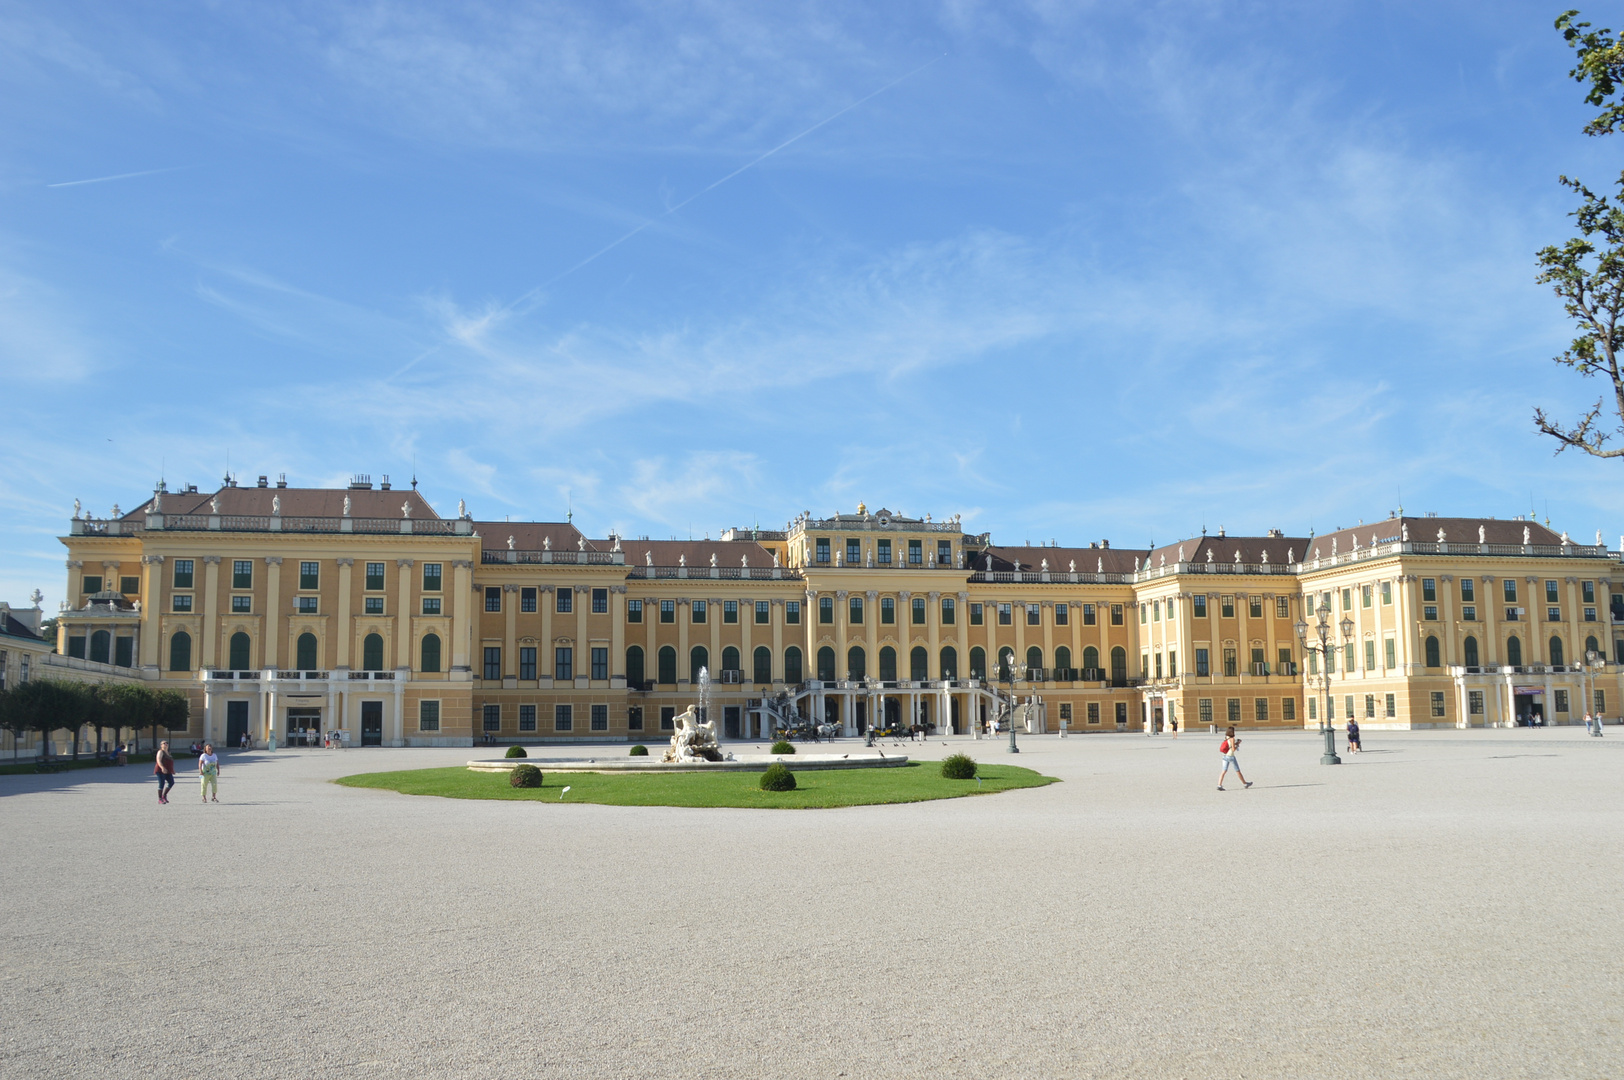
column 740, row 763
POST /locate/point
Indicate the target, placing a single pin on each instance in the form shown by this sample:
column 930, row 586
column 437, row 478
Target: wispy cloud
column 119, row 176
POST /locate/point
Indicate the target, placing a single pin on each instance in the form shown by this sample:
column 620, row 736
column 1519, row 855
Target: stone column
column 462, row 624
column 346, row 569
column 651, row 650
column 151, row 606
column 273, row 615
column 933, row 638
column 617, row 629
column 685, row 616
column 547, row 600
column 510, row 630
column 403, row 612
column 747, row 660
column 211, row 609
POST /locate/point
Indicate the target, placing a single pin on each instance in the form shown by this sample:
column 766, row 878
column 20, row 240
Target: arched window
column 1091, row 659
column 634, row 667
column 888, row 664
column 1432, row 651
column 730, row 659
column 1556, row 652
column 792, row 664
column 918, row 664
column 826, row 664
column 763, row 664
column 1592, row 647
column 430, row 653
column 668, row 664
column 950, row 662
column 305, row 657
column 978, row 662
column 241, row 647
column 1514, row 651
column 1034, row 657
column 101, row 646
column 698, row 657
column 1119, row 665
column 180, row 651
column 1062, row 658
column 856, row 663
column 1006, row 660
column 372, row 652
column 1471, row 651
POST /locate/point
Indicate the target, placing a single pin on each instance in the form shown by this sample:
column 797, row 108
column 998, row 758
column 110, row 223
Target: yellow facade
column 363, row 611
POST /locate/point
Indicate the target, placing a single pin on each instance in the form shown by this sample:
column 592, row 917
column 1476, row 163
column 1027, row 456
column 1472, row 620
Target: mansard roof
column 695, row 552
column 1456, row 530
column 999, row 558
column 1223, row 549
column 534, row 536
column 293, row 502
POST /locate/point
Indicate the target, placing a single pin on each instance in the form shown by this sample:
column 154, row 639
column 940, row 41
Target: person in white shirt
column 208, row 771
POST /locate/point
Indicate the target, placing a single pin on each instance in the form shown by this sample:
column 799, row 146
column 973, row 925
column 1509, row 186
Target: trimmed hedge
column 516, row 751
column 958, row 767
column 639, row 751
column 525, row 776
column 778, row 778
column 783, row 746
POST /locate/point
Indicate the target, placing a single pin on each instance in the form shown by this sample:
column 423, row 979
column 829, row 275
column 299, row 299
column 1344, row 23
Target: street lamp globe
column 1347, row 626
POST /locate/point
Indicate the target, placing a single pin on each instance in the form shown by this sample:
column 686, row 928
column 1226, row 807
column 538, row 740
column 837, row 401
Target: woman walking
column 208, row 771
column 164, row 768
column 1353, row 736
column 1227, row 748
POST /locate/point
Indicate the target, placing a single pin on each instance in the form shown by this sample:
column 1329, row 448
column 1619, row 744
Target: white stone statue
column 1237, row 556
column 157, row 502
column 546, row 543
column 406, row 509
column 580, row 544
column 1136, row 564
column 775, row 554
column 1181, row 553
column 1291, row 555
column 76, row 509
column 1074, row 566
column 617, row 543
column 1355, row 539
column 1404, row 532
column 462, row 508
column 276, row 505
column 713, row 558
column 1526, row 535
column 116, row 512
column 1046, row 564
column 1163, row 560
column 1265, row 556
column 1440, row 536
column 1099, row 563
column 37, row 597
column 871, row 558
column 1017, row 565
column 510, row 543
column 1209, row 555
column 1564, row 538
column 1333, row 547
column 648, row 558
column 346, row 506
column 214, row 504
column 682, row 560
column 693, row 740
column 1482, row 535
column 744, row 560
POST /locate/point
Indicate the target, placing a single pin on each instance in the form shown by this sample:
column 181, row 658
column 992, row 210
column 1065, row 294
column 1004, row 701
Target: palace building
column 283, row 611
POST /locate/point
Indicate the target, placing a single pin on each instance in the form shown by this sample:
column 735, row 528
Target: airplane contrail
column 120, row 176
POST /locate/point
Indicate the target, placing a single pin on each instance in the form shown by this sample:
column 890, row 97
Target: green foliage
column 958, row 767
column 783, row 746
column 524, row 776
column 639, row 751
column 516, row 751
column 778, row 778
column 1600, row 62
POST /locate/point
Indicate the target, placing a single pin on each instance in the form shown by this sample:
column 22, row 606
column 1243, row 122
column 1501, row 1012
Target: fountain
column 695, row 738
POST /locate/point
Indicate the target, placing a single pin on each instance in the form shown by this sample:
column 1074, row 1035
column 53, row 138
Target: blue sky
column 1071, row 270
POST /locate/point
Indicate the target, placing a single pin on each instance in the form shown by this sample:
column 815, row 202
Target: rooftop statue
column 1237, row 556
column 1291, row 555
column 1482, row 535
column 346, row 506
column 1045, row 566
column 1209, row 554
column 744, row 560
column 1265, row 556
column 76, row 509
column 775, row 556
column 713, row 558
column 682, row 560
column 157, row 502
column 580, row 545
column 1440, row 536
column 276, row 505
column 1074, row 566
column 462, row 508
column 1404, row 532
column 510, row 543
column 648, row 558
column 406, row 509
column 1525, row 536
column 546, row 543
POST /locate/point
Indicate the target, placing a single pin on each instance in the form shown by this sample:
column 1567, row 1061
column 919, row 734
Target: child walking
column 1228, row 748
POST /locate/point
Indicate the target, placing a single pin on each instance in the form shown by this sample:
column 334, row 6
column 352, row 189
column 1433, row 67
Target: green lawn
column 913, row 782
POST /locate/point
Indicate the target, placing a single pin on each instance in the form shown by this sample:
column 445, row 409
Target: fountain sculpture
column 695, row 740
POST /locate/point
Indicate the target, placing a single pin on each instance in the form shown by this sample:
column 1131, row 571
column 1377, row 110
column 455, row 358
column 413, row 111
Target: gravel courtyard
column 1440, row 906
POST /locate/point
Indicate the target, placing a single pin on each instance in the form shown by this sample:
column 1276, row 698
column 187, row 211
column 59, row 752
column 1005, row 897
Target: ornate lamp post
column 1011, row 672
column 1591, row 657
column 1322, row 627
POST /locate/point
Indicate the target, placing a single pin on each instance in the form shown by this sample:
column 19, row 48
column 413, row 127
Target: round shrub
column 525, row 776
column 778, row 778
column 516, row 751
column 639, row 751
column 958, row 767
column 783, row 746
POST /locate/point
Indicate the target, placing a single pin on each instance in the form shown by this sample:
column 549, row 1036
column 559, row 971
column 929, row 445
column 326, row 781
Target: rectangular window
column 634, row 718
column 563, row 662
column 1093, row 712
column 307, row 605
column 634, row 611
column 1429, row 612
column 374, row 576
column 1005, row 615
column 764, row 612
column 668, row 611
column 826, row 610
column 1365, row 595
column 1370, row 706
column 1468, row 590
column 1392, row 705
column 129, row 586
column 1158, row 665
column 730, row 612
column 1347, row 706
column 431, row 577
column 1282, row 607
column 854, row 610
column 1508, row 588
column 1065, row 712
column 1561, row 703
column 1284, row 658
column 854, row 552
column 1200, row 604
column 527, row 661
column 1116, row 614
column 600, row 662
column 564, row 600
column 1468, row 612
column 1513, row 614
column 1090, row 618
column 527, row 599
column 563, row 717
column 310, row 575
column 93, row 583
column 183, row 577
column 1552, row 593
column 1144, row 665
column 1121, row 713
column 1062, row 613
column 181, row 602
column 600, row 718
column 493, row 598
column 527, row 718
column 431, row 605
column 792, row 612
column 1429, row 589
column 918, row 609
column 1254, row 607
column 242, row 605
column 975, row 615
column 1438, row 702
column 1230, row 663
column 944, row 552
column 1288, row 708
column 1226, row 607
column 1260, row 710
column 1201, row 664
column 493, row 662
column 1203, row 710
column 888, row 611
column 1330, row 660
column 668, row 718
column 1590, row 614
column 600, row 602
column 1348, row 659
column 1387, row 592
column 700, row 612
column 1313, row 662
column 1474, row 702
column 428, row 716
column 1601, row 702
column 373, row 605
column 1313, row 708
column 823, row 549
column 1588, row 591
column 1370, row 654
column 1034, row 615
column 885, row 553
column 1233, row 710
column 916, row 553
column 242, row 573
column 949, row 614
column 1553, row 614
column 1144, row 613
column 492, row 718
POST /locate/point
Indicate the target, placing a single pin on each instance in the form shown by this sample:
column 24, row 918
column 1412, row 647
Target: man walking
column 208, row 771
column 1227, row 748
column 164, row 768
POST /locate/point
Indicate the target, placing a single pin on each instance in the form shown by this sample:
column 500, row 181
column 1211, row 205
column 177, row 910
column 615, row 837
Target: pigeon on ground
column 844, row 756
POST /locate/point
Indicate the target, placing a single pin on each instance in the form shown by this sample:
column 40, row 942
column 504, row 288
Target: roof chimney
column 264, row 481
column 282, row 480
column 383, row 485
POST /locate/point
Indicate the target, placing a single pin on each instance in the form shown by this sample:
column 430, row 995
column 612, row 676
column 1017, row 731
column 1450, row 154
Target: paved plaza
column 1443, row 905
